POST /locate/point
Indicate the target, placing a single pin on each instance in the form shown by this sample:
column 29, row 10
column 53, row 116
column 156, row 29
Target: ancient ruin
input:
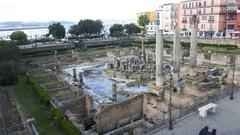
column 132, row 88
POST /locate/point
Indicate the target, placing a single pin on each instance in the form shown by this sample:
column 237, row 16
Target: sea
column 31, row 33
column 35, row 33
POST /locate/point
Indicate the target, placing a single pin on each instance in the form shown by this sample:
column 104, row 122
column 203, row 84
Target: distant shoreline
column 27, row 28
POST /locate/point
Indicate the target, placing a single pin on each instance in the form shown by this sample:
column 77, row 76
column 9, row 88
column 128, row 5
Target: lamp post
column 177, row 85
column 170, row 127
column 233, row 64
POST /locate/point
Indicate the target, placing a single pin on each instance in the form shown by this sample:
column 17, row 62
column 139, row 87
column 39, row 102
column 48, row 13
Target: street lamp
column 168, row 70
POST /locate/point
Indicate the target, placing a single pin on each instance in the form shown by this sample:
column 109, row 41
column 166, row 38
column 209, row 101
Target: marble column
column 193, row 51
column 114, row 92
column 74, row 74
column 176, row 54
column 80, row 77
column 159, row 58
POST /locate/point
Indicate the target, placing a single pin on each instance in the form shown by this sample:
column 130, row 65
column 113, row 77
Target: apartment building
column 210, row 14
column 232, row 17
column 167, row 17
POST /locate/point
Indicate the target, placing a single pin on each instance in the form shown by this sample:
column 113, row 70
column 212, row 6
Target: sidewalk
column 226, row 120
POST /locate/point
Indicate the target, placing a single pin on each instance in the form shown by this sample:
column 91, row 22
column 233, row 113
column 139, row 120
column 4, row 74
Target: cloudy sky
column 74, row 10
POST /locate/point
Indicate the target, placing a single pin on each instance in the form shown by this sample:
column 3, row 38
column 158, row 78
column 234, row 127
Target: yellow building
column 151, row 27
column 150, row 14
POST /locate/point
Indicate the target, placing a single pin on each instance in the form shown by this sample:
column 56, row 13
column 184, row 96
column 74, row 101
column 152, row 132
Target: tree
column 143, row 20
column 57, row 30
column 87, row 28
column 19, row 38
column 74, row 30
column 117, row 30
column 131, row 28
column 9, row 52
column 8, row 72
column 9, row 64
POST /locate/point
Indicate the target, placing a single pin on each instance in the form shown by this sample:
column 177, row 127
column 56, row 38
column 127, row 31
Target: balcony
column 184, row 29
column 230, row 3
column 211, row 20
column 184, row 21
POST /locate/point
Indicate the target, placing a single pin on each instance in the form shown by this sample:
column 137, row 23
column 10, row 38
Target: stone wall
column 113, row 116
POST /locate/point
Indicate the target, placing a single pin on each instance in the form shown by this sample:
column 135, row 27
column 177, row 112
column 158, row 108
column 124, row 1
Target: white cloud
column 74, row 10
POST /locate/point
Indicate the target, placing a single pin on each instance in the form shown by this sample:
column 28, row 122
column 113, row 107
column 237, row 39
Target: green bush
column 57, row 114
column 40, row 91
column 185, row 45
column 68, row 127
column 64, row 123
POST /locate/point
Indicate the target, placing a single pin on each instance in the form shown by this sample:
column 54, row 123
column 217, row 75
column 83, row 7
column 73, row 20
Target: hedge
column 64, row 123
column 40, row 91
column 68, row 127
column 56, row 113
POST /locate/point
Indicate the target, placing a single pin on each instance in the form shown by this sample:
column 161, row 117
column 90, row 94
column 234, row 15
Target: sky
column 74, row 10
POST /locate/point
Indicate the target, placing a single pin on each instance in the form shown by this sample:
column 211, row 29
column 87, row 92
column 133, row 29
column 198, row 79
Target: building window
column 204, row 18
column 211, row 18
column 191, row 12
column 204, row 11
column 205, row 4
column 184, row 12
column 196, row 4
column 211, row 10
column 203, row 26
column 192, row 4
column 199, row 4
column 199, row 12
column 230, row 27
column 212, row 3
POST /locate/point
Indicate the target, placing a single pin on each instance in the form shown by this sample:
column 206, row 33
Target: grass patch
column 60, row 92
column 33, row 108
column 220, row 49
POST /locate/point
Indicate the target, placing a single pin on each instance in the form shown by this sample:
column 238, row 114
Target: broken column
column 193, row 48
column 143, row 52
column 74, row 75
column 80, row 77
column 176, row 54
column 114, row 92
column 159, row 58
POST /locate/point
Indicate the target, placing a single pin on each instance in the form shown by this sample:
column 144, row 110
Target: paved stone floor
column 226, row 120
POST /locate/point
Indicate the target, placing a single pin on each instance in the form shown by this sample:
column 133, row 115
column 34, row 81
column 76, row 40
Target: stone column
column 159, row 58
column 193, row 51
column 143, row 49
column 74, row 74
column 80, row 77
column 176, row 54
column 114, row 92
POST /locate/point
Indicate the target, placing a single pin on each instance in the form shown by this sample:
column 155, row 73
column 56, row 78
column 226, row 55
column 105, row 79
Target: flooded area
column 101, row 85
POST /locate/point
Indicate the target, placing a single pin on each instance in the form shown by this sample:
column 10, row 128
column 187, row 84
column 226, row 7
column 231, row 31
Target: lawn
column 224, row 50
column 60, row 92
column 32, row 108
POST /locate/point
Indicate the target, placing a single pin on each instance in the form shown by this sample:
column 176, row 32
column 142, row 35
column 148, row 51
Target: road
column 226, row 120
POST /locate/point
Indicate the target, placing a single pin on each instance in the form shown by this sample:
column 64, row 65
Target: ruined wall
column 151, row 111
column 221, row 59
column 112, row 116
